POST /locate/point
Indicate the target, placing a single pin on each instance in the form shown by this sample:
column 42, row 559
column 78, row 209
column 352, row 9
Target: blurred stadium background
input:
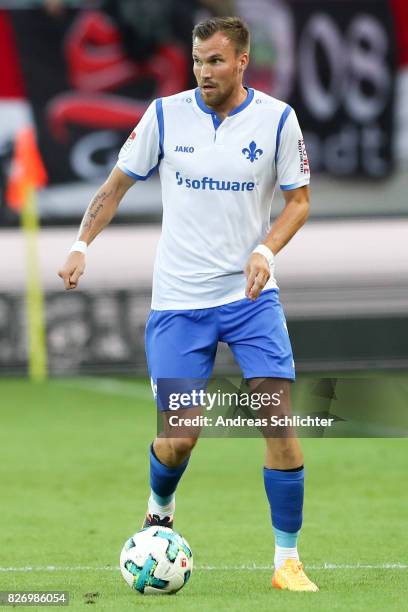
column 82, row 73
column 74, row 461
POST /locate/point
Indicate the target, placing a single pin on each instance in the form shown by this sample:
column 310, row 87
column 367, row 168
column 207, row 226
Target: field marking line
column 250, row 567
column 109, row 386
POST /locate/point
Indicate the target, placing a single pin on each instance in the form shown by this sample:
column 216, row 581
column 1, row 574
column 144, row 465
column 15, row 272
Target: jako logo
column 213, row 184
column 181, row 149
column 252, row 153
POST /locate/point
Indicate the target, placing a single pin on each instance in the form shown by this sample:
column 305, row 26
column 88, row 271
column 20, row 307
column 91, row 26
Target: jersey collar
column 201, row 104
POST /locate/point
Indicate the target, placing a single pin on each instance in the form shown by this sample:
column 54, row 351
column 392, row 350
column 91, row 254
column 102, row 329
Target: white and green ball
column 156, row 560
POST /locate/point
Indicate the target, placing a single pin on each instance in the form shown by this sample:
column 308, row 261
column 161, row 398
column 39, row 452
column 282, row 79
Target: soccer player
column 220, row 150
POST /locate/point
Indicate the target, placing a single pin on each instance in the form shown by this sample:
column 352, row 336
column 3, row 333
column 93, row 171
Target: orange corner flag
column 27, row 170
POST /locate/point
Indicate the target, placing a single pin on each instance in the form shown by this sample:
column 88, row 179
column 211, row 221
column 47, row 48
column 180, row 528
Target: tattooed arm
column 97, row 216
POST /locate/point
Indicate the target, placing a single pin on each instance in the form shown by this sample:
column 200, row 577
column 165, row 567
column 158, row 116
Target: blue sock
column 285, row 489
column 164, row 479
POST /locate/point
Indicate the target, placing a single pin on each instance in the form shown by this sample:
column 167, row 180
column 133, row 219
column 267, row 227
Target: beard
column 217, row 97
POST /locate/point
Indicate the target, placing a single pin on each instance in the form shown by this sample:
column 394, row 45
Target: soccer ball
column 156, row 560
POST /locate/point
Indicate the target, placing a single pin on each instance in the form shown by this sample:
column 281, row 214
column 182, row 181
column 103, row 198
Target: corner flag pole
column 27, row 174
column 37, row 339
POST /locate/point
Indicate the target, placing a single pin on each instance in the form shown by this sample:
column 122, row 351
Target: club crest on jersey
column 251, row 152
column 183, row 149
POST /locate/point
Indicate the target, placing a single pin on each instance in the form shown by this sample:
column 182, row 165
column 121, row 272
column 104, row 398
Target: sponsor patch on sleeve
column 304, row 162
column 129, row 141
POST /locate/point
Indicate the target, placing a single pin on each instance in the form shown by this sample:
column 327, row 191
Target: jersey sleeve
column 141, row 153
column 292, row 165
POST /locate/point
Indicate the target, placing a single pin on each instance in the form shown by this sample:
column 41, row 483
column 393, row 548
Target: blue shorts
column 182, row 344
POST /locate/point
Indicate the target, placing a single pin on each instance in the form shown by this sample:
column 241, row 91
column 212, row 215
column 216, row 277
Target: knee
column 285, row 453
column 182, row 446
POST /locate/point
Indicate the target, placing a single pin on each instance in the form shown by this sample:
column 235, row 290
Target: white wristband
column 80, row 246
column 262, row 249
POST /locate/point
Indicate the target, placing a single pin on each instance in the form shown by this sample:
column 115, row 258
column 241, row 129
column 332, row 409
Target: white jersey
column 218, row 180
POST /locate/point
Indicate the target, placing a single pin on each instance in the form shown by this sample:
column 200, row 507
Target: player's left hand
column 257, row 272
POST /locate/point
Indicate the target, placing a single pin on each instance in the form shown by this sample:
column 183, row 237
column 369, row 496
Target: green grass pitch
column 74, row 484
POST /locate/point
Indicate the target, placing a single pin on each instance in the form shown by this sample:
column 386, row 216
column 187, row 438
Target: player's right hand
column 72, row 269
